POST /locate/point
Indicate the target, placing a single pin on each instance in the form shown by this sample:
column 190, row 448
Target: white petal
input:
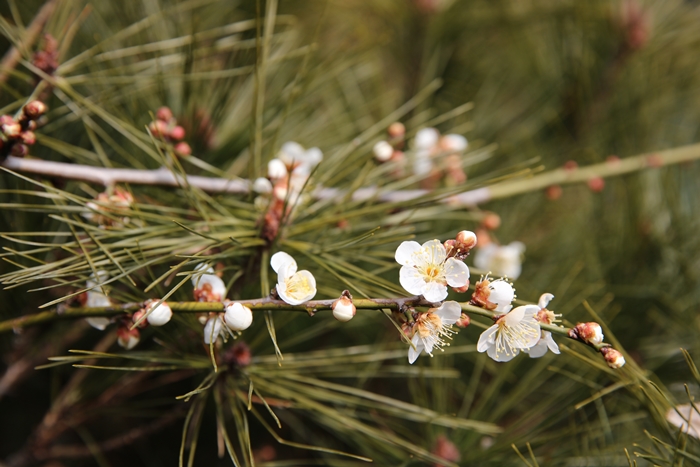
column 405, row 253
column 553, row 347
column 482, row 257
column 313, row 157
column 544, row 300
column 501, row 293
column 383, row 151
column 452, row 142
column 434, row 292
column 281, row 258
column 97, row 299
column 538, row 350
column 434, row 252
column 426, row 138
column 456, row 272
column 212, row 330
column 449, row 312
column 238, row 317
column 159, row 315
column 276, row 170
column 291, row 152
column 411, row 280
column 298, row 289
column 515, row 316
column 262, row 185
column 413, row 354
column 98, row 322
column 487, row 339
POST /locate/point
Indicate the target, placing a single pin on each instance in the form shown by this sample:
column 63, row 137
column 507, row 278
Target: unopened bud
column 596, row 184
column 590, row 333
column 446, row 449
column 6, row 119
column 164, row 114
column 466, row 240
column 159, row 315
column 238, row 317
column 11, row 129
column 613, row 358
column 463, row 321
column 19, row 150
column 276, row 169
column 182, row 149
column 158, row 128
column 262, row 185
column 396, row 130
column 137, row 317
column 343, row 308
column 554, row 192
column 177, row 133
column 28, row 137
column 34, row 110
column 382, row 151
column 491, row 221
column 128, row 338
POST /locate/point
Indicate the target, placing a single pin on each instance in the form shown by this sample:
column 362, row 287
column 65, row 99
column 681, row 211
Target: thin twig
column 164, row 177
column 13, row 56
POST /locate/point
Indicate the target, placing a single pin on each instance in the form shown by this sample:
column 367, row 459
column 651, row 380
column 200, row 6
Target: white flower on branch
column 208, row 287
column 432, row 328
column 496, row 295
column 294, row 287
column 546, row 341
column 514, row 331
column 213, row 328
column 501, row 260
column 238, row 317
column 426, row 270
column 298, row 159
column 159, row 315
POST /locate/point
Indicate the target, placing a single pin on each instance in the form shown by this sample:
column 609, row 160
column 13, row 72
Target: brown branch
column 13, row 56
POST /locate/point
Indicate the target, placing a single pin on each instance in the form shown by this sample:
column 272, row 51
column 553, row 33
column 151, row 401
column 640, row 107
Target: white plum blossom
column 426, row 270
column 213, row 328
column 238, row 317
column 208, row 287
column 681, row 415
column 546, row 341
column 159, row 315
column 294, row 155
column 428, row 144
column 432, row 328
column 501, row 260
column 276, row 170
column 496, row 295
column 294, row 287
column 514, row 331
column 96, row 298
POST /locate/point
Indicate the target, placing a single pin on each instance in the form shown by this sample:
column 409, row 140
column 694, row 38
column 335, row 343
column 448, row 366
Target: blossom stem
column 164, row 177
column 265, row 303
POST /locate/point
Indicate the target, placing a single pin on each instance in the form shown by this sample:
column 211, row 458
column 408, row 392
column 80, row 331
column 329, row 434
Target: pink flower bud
column 137, row 316
column 34, row 110
column 596, row 184
column 28, row 137
column 128, row 338
column 4, row 119
column 158, row 128
column 613, row 358
column 343, row 308
column 164, row 114
column 396, row 130
column 177, row 133
column 182, row 149
column 466, row 240
column 590, row 333
column 554, row 192
column 12, row 129
column 491, row 221
column 446, row 449
column 463, row 321
column 19, row 150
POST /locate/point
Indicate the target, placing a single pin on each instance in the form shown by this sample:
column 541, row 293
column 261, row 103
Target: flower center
column 434, row 273
column 298, row 286
column 433, row 331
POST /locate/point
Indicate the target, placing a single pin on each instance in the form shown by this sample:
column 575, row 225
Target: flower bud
column 463, row 321
column 554, row 192
column 4, row 119
column 343, row 308
column 34, row 110
column 453, row 143
column 396, row 130
column 159, row 315
column 590, row 333
column 137, row 317
column 11, row 129
column 164, row 114
column 158, row 128
column 446, row 449
column 262, row 185
column 238, row 317
column 28, row 137
column 19, row 150
column 491, row 221
column 382, row 151
column 128, row 338
column 596, row 184
column 177, row 133
column 613, row 358
column 462, row 289
column 182, row 149
column 466, row 240
column 276, row 169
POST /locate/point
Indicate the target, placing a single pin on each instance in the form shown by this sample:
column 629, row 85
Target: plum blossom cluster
column 110, row 209
column 165, row 127
column 153, row 312
column 438, row 157
column 17, row 134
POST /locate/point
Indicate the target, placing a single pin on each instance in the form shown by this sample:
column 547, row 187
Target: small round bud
column 31, row 125
column 19, row 150
column 177, row 133
column 453, row 143
column 158, row 128
column 450, row 245
column 4, row 119
column 11, row 129
column 570, row 166
column 276, row 169
column 491, row 221
column 164, row 114
column 426, row 138
column 396, row 130
column 383, row 151
column 446, row 449
column 159, row 315
column 262, row 185
column 28, row 137
column 182, row 149
column 34, row 110
column 128, row 338
column 137, row 317
column 554, row 192
column 238, row 317
column 596, row 184
column 466, row 240
column 613, row 358
column 463, row 321
column 590, row 333
column 343, row 308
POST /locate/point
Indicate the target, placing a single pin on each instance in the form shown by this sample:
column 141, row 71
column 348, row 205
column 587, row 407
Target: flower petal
column 449, row 312
column 280, row 259
column 503, row 355
column 434, row 252
column 411, row 280
column 434, row 292
column 538, row 350
column 487, row 339
column 553, row 347
column 544, row 300
column 414, row 353
column 405, row 253
column 98, row 322
column 456, row 273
